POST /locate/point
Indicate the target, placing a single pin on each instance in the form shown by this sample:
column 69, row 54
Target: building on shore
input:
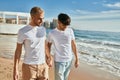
column 46, row 24
column 14, row 17
column 11, row 22
column 53, row 24
column 50, row 25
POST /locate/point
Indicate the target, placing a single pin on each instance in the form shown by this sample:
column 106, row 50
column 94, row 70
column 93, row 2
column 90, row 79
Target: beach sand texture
column 84, row 72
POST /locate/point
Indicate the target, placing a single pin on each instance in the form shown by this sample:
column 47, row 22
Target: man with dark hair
column 32, row 37
column 63, row 40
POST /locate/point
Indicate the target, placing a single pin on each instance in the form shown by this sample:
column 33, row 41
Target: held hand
column 76, row 63
column 49, row 61
column 15, row 75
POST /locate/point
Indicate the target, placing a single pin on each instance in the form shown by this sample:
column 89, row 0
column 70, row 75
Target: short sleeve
column 20, row 37
column 44, row 31
column 72, row 34
column 49, row 38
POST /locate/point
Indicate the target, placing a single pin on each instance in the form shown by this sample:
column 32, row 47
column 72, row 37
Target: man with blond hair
column 32, row 37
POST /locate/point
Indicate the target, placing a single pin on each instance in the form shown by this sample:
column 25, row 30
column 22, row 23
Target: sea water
column 100, row 48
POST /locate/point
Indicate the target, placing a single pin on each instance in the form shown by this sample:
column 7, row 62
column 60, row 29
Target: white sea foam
column 104, row 57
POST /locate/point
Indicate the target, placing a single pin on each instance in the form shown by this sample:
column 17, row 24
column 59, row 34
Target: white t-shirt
column 61, row 41
column 34, row 44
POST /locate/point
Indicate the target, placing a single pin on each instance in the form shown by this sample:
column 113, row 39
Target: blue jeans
column 62, row 70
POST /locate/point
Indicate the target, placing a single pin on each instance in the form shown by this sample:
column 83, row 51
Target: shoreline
column 83, row 72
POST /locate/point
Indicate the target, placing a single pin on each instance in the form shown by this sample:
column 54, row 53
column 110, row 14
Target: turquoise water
column 100, row 48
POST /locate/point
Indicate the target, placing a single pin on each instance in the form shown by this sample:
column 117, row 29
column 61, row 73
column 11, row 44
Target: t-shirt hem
column 63, row 60
column 34, row 63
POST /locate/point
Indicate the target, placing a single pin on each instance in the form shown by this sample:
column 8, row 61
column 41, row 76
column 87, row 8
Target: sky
column 98, row 15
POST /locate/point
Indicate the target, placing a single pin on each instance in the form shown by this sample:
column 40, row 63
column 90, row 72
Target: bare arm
column 49, row 46
column 74, row 48
column 48, row 55
column 47, row 51
column 16, row 60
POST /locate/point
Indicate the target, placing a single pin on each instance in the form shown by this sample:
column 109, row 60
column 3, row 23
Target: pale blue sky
column 101, row 15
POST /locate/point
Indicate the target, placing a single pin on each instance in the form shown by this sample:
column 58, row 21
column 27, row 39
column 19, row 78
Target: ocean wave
column 102, row 63
column 99, row 42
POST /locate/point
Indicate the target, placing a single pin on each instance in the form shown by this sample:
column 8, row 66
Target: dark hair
column 36, row 10
column 64, row 19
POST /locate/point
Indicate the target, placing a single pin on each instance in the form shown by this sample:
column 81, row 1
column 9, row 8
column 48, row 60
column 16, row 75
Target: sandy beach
column 84, row 72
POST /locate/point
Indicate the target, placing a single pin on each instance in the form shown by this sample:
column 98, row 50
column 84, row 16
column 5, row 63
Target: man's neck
column 59, row 28
column 32, row 24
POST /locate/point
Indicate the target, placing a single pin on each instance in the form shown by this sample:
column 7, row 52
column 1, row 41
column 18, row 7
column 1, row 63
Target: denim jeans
column 62, row 70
